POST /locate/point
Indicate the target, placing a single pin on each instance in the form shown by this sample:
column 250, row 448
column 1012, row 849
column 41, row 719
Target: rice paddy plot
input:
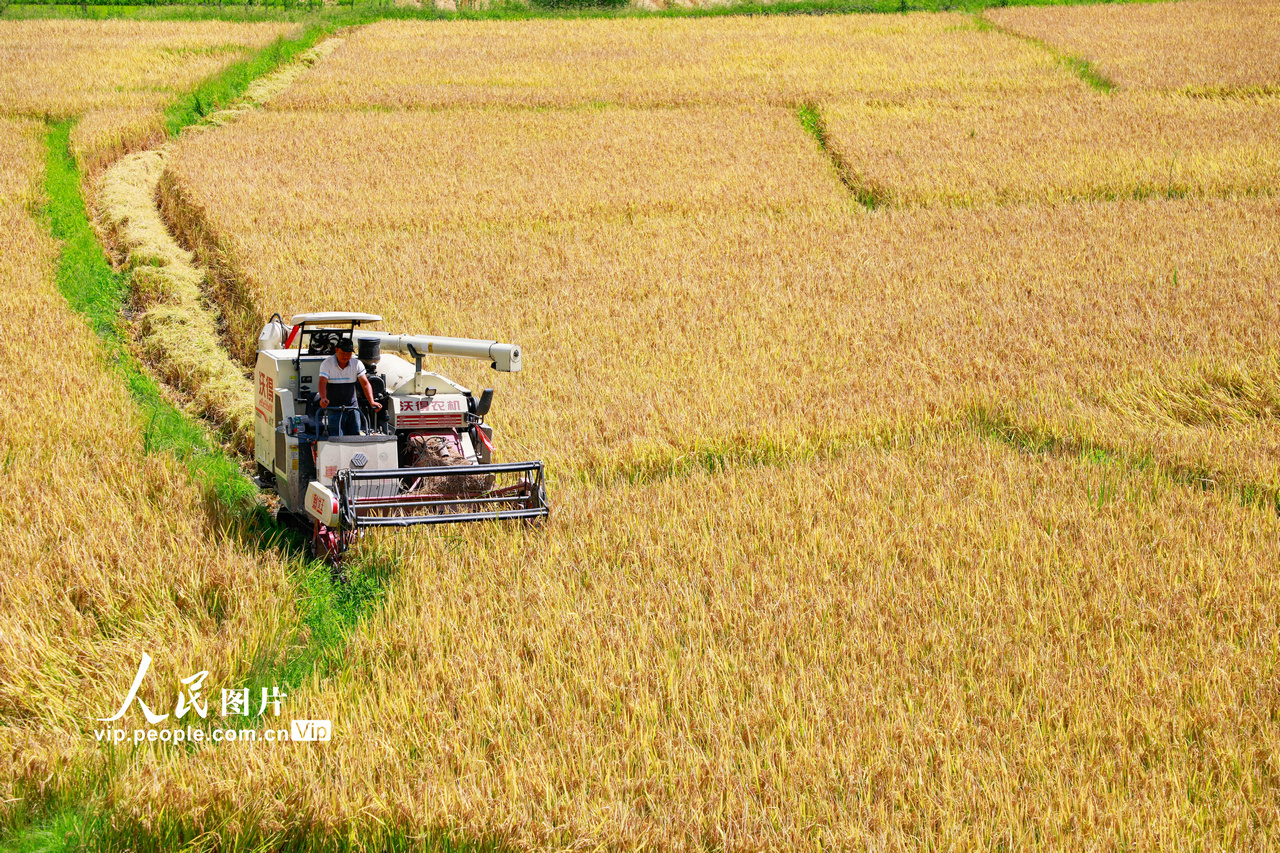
column 1201, row 46
column 479, row 168
column 941, row 643
column 653, row 61
column 975, row 151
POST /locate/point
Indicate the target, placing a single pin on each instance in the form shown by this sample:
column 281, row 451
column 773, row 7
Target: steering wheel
column 323, row 343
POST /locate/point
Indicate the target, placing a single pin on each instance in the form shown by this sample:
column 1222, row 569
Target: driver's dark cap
column 346, row 346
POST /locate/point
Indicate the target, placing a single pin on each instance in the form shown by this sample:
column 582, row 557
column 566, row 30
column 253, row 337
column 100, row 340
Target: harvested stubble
column 1149, row 326
column 58, row 68
column 1210, row 46
column 647, row 61
column 177, row 330
column 1086, row 145
column 946, row 645
column 110, row 550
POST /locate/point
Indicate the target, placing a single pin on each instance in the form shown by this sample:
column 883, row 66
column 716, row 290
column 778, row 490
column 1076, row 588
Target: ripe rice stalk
column 934, row 645
column 780, row 60
column 1198, row 46
column 651, row 337
column 104, row 136
column 23, row 146
column 60, row 68
column 1008, row 150
column 110, row 548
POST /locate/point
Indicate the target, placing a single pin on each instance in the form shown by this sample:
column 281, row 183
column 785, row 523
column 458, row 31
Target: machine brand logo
column 430, row 406
column 234, row 702
column 266, row 391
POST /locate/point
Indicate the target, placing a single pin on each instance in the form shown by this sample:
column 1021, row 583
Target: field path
column 178, row 328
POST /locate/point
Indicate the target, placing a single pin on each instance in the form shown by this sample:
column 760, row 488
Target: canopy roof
column 334, row 317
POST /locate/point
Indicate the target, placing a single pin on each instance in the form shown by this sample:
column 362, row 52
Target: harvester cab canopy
column 320, row 331
column 324, row 317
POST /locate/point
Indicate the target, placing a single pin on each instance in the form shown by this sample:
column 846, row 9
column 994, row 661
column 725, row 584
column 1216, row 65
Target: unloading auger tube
column 503, row 357
column 424, row 455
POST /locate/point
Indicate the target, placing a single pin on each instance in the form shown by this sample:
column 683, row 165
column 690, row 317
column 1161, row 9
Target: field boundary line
column 866, row 193
column 1002, row 427
column 1078, row 65
column 766, row 451
column 1260, row 92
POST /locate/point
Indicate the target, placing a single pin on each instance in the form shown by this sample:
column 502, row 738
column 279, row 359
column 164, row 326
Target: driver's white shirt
column 338, row 377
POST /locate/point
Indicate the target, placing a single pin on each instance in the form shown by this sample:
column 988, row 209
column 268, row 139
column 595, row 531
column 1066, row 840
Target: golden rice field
column 61, row 68
column 111, row 550
column 1205, row 46
column 944, row 644
column 925, row 525
column 1013, row 149
column 654, row 62
column 933, row 523
column 786, row 315
column 23, row 144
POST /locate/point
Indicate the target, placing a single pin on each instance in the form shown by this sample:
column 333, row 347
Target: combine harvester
column 424, row 457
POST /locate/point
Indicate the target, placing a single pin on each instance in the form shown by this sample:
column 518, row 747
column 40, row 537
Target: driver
column 339, row 374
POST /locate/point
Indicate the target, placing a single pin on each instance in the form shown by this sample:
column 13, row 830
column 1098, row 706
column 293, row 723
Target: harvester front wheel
column 328, row 544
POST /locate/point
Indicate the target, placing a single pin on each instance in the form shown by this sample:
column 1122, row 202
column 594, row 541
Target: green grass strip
column 815, row 125
column 225, row 87
column 56, row 830
column 1085, row 71
column 346, row 13
column 91, row 287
